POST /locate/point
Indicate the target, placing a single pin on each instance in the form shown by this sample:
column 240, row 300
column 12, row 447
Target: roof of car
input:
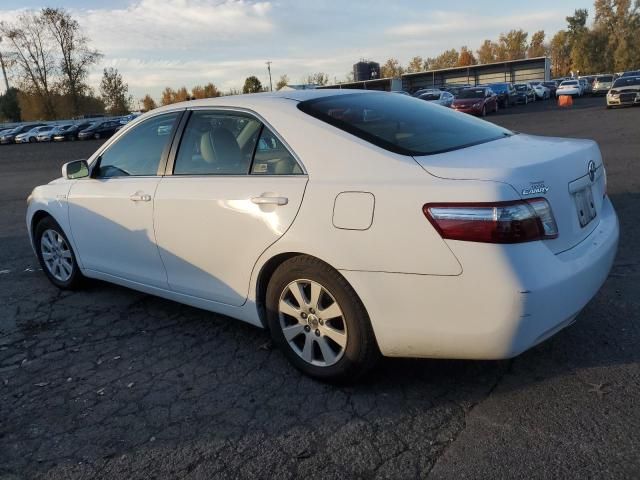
column 254, row 99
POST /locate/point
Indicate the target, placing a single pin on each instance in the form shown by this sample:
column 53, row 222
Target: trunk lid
column 553, row 168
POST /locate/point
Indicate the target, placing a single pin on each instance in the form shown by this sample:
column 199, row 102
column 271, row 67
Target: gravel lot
column 110, row 383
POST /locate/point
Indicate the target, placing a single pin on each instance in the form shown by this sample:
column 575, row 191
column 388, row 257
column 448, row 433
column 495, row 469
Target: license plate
column 584, row 205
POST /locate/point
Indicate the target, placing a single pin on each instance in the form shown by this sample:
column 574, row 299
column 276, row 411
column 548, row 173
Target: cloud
column 452, row 23
column 158, row 26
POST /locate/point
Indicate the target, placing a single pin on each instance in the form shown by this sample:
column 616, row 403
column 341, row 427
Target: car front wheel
column 56, row 256
column 318, row 321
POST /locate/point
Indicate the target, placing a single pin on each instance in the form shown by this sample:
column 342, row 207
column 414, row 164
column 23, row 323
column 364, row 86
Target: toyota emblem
column 591, row 169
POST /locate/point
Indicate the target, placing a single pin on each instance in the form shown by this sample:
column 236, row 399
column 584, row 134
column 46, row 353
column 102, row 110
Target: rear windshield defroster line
column 402, row 124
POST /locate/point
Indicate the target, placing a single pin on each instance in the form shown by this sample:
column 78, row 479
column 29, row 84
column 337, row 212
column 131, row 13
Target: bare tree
column 75, row 55
column 34, row 53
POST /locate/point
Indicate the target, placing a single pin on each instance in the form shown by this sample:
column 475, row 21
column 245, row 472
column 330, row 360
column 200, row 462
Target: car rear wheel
column 56, row 257
column 484, row 111
column 318, row 321
column 32, row 140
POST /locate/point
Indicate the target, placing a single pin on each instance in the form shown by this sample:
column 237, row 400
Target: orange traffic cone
column 565, row 101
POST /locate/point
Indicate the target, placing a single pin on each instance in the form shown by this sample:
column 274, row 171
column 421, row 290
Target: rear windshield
column 430, row 96
column 605, row 78
column 402, row 124
column 569, row 82
column 626, row 81
column 471, row 93
column 499, row 87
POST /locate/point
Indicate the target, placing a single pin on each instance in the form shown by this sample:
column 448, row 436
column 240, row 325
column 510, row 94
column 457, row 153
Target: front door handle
column 140, row 197
column 270, row 200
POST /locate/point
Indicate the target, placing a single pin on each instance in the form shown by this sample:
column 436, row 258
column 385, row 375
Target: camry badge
column 535, row 188
column 591, row 169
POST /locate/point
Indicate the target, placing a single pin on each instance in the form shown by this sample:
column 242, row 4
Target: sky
column 159, row 43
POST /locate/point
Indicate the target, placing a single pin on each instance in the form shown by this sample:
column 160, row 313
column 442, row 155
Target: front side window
column 217, row 143
column 272, row 157
column 402, row 124
column 139, row 151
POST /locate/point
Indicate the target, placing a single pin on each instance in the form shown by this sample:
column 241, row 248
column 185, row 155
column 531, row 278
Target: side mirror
column 75, row 169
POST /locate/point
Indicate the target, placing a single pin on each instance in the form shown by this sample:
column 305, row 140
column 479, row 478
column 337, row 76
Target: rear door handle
column 140, row 197
column 270, row 200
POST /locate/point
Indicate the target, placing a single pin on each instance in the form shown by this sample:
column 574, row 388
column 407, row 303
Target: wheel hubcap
column 56, row 255
column 312, row 322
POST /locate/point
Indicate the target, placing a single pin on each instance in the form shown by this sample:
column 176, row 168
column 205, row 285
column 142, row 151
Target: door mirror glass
column 75, row 169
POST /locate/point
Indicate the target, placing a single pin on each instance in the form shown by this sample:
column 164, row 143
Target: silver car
column 439, row 97
column 602, row 84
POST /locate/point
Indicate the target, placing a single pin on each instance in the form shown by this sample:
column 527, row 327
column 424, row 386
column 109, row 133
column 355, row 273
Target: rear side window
column 402, row 124
column 272, row 157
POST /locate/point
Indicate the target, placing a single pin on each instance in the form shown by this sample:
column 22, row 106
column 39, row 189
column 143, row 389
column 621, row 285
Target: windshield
column 430, row 96
column 499, row 87
column 569, row 82
column 521, row 88
column 401, row 124
column 626, row 82
column 605, row 78
column 471, row 93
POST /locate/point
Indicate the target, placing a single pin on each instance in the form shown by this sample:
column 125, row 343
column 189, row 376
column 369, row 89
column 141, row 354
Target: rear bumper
column 508, row 298
column 469, row 110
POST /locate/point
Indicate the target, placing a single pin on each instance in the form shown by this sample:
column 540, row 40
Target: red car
column 476, row 101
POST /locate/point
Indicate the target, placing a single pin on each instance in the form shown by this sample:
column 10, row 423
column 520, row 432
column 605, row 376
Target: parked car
column 10, row 136
column 439, row 97
column 47, row 135
column 542, row 92
column 99, row 130
column 476, row 101
column 625, row 91
column 585, row 85
column 454, row 89
column 602, row 84
column 72, row 132
column 31, row 136
column 631, row 73
column 524, row 93
column 336, row 284
column 506, row 93
column 570, row 87
column 127, row 118
column 552, row 86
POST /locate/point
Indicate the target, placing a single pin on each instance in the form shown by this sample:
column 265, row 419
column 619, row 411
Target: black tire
column 76, row 278
column 360, row 353
column 32, row 140
column 526, row 100
column 484, row 111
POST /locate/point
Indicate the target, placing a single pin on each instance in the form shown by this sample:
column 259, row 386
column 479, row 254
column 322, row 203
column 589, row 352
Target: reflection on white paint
column 270, row 218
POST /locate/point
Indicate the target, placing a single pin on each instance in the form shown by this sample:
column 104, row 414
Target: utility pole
column 269, row 68
column 4, row 71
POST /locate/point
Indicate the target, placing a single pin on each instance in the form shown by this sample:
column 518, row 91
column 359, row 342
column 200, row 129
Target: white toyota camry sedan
column 349, row 223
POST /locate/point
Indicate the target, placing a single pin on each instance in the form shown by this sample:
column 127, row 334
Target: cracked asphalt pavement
column 111, row 383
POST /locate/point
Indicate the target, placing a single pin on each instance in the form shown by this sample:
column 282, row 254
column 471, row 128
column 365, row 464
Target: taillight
column 500, row 222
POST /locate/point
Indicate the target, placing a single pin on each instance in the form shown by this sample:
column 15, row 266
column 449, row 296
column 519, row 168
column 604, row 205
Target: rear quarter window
column 401, row 124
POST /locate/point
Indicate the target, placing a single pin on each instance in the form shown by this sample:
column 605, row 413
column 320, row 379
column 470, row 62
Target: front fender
column 50, row 199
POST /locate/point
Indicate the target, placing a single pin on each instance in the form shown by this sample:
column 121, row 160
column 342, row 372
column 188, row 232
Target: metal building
column 515, row 71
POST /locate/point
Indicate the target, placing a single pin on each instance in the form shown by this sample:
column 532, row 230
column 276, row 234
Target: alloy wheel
column 56, row 255
column 312, row 322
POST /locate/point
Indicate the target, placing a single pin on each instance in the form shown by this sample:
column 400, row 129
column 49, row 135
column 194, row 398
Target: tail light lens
column 500, row 222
